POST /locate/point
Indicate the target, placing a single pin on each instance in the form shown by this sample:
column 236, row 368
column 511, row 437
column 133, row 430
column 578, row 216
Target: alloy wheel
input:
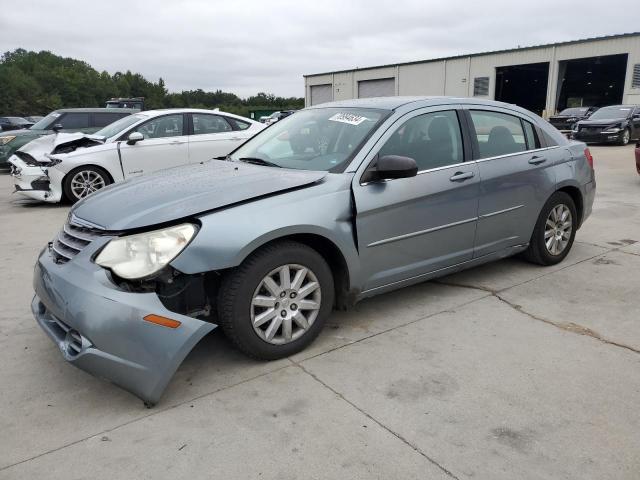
column 625, row 137
column 285, row 304
column 85, row 182
column 557, row 229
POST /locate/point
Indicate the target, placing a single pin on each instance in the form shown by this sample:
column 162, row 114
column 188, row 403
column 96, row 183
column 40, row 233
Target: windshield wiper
column 259, row 161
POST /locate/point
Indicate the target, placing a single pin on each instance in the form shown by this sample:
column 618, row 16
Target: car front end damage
column 134, row 334
column 34, row 179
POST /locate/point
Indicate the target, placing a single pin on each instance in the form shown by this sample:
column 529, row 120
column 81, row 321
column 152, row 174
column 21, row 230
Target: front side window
column 74, row 120
column 433, row 140
column 162, row 127
column 315, row 139
column 498, row 133
column 205, row 123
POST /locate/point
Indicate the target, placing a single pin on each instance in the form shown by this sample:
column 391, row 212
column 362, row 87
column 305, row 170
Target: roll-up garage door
column 382, row 87
column 321, row 94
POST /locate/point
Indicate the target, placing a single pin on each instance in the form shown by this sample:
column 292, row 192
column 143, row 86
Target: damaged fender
column 101, row 329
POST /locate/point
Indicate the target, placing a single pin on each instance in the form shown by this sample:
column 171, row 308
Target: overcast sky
column 248, row 46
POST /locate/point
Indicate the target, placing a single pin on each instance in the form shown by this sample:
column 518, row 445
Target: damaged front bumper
column 100, row 328
column 34, row 181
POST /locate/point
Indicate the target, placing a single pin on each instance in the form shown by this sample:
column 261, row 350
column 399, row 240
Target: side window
column 498, row 133
column 432, row 140
column 238, row 124
column 161, row 127
column 205, row 123
column 74, row 120
column 530, row 134
column 104, row 119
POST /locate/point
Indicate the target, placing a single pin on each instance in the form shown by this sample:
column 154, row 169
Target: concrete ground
column 507, row 371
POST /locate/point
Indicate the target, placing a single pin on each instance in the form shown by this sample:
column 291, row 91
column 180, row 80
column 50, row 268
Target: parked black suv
column 614, row 124
column 566, row 118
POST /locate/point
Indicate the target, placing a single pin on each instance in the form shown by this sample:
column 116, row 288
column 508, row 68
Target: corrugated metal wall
column 456, row 76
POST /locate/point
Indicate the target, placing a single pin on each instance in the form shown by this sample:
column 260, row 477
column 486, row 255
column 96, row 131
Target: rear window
column 103, row 119
column 238, row 124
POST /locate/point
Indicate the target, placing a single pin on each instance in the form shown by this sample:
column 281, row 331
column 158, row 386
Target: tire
column 237, row 312
column 538, row 251
column 95, row 178
column 625, row 136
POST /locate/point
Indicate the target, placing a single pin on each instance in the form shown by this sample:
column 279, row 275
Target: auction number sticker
column 349, row 118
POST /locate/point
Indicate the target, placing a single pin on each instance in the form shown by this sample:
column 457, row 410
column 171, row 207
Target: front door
column 412, row 226
column 165, row 145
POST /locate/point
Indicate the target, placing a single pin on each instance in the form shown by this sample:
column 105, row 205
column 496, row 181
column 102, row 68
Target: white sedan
column 74, row 165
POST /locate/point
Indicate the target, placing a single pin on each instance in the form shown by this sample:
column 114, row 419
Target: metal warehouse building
column 546, row 78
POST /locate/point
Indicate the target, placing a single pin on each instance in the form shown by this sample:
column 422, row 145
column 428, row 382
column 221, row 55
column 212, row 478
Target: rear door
column 212, row 136
column 516, row 177
column 165, row 145
column 412, row 226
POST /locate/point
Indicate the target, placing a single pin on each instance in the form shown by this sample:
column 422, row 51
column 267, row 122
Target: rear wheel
column 276, row 302
column 83, row 181
column 554, row 232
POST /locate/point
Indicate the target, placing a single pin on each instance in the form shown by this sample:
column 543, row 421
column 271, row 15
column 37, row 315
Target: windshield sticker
column 349, row 118
column 55, row 115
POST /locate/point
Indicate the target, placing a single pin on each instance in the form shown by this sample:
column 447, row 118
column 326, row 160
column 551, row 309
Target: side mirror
column 134, row 137
column 395, row 166
column 57, row 127
column 636, row 116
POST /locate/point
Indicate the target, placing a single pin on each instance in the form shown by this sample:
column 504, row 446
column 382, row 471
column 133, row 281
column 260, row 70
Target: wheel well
column 576, row 196
column 334, row 258
column 64, row 179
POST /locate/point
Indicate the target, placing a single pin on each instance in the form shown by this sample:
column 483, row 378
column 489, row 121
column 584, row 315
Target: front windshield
column 315, row 139
column 119, row 125
column 611, row 113
column 573, row 112
column 46, row 123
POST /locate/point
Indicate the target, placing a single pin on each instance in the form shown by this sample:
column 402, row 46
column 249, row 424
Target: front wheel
column 83, row 181
column 276, row 302
column 554, row 232
column 625, row 137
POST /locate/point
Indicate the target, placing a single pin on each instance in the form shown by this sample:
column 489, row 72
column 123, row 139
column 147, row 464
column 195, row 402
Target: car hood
column 182, row 192
column 50, row 143
column 26, row 131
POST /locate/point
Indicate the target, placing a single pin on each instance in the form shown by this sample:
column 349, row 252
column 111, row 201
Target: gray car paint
column 389, row 234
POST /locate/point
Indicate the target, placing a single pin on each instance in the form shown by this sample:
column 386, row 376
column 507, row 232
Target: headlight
column 6, row 139
column 611, row 130
column 137, row 256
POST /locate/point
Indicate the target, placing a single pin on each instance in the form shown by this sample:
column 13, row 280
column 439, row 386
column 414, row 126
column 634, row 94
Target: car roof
column 393, row 103
column 412, row 103
column 96, row 110
column 164, row 111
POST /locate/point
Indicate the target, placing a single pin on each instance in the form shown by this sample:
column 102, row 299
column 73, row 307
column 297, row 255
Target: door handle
column 537, row 160
column 461, row 176
column 176, row 142
column 236, row 138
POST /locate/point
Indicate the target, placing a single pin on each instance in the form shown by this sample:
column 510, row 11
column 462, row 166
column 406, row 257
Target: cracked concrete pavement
column 504, row 371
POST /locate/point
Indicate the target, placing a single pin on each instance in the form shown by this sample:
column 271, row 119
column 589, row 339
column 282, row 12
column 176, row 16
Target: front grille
column 72, row 239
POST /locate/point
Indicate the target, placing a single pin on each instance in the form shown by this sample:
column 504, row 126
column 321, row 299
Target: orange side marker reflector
column 163, row 321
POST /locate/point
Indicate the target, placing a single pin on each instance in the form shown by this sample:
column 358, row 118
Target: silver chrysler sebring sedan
column 331, row 205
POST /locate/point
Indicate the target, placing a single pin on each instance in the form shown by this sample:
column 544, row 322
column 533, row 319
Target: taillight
column 589, row 157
